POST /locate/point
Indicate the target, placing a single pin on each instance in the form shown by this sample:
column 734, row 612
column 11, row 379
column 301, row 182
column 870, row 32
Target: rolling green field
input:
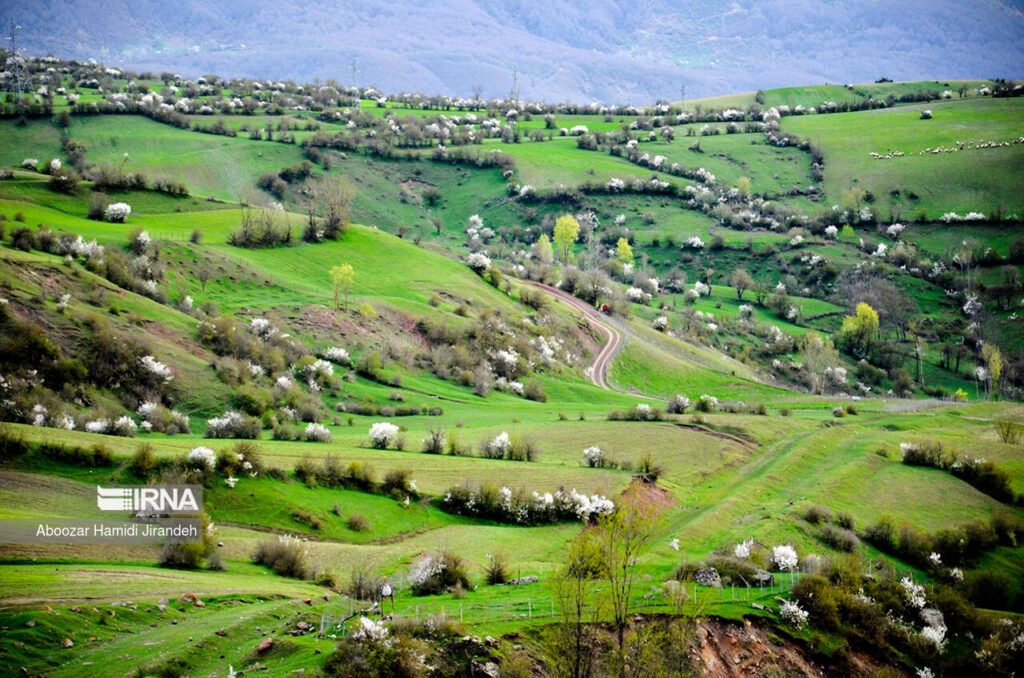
column 979, row 180
column 463, row 354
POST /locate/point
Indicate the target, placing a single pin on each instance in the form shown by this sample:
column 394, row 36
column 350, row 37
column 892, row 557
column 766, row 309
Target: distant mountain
column 611, row 51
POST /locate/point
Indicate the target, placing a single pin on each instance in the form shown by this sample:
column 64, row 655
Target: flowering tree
column 117, row 212
column 382, row 434
column 543, row 249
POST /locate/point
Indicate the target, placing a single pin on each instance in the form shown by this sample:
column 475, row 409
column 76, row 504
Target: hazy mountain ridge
column 607, row 51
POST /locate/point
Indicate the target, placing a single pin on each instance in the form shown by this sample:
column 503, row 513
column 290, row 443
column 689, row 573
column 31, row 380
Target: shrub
column 845, row 520
column 306, row 471
column 233, row 425
column 399, row 480
column 358, row 523
column 117, row 212
column 706, row 403
column 316, row 433
column 23, row 238
column 287, row 556
column 818, row 514
column 382, row 435
column 301, row 515
column 677, row 404
column 436, row 573
column 648, row 467
column 839, row 538
column 496, row 570
column 534, row 390
column 363, row 584
column 143, row 461
column 435, row 440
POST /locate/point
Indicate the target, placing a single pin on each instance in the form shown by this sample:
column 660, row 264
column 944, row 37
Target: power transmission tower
column 514, row 94
column 16, row 66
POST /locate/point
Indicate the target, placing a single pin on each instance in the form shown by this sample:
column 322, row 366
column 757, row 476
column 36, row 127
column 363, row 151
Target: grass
column 971, row 180
column 728, row 477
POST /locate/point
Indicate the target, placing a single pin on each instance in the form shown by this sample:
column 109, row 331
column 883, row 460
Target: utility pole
column 682, row 97
column 355, row 73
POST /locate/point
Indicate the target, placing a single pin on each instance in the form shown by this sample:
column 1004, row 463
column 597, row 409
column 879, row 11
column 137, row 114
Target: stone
column 221, row 632
column 265, row 645
column 326, row 596
column 68, row 642
column 757, row 606
column 189, row 598
column 708, row 576
column 308, row 601
column 764, row 578
column 489, row 669
column 531, row 579
column 30, row 623
column 162, row 607
column 932, row 617
column 200, row 603
column 492, row 641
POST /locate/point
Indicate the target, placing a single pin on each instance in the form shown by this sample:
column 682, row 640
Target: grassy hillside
column 744, row 408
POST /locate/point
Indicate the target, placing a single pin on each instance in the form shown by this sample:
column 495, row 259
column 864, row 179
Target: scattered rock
column 492, row 641
column 75, row 609
column 200, row 603
column 112, row 613
column 327, row 596
column 265, row 645
column 932, row 617
column 764, row 578
column 489, row 669
column 220, row 544
column 308, row 601
column 162, row 607
column 47, row 608
column 708, row 576
column 531, row 579
column 30, row 623
column 68, row 642
column 174, row 622
column 189, row 598
column 757, row 606
column 220, row 632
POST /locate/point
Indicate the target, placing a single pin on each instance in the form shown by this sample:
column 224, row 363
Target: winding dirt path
column 613, row 336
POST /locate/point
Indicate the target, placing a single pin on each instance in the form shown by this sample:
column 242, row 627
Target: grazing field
column 379, row 358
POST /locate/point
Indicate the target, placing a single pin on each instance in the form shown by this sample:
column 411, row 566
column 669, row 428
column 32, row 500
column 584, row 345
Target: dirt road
column 613, row 337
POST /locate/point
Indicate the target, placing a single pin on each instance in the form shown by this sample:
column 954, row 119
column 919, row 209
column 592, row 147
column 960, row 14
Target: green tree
column 623, row 251
column 861, row 329
column 994, row 359
column 571, row 647
column 742, row 281
column 342, row 276
column 544, row 251
column 743, row 184
column 567, row 229
column 621, row 536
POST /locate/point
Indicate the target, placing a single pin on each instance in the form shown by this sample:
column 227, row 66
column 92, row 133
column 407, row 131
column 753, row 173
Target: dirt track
column 613, row 337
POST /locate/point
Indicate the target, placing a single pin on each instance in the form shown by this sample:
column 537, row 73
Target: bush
column 534, row 390
column 23, row 238
column 839, row 538
column 363, row 584
column 818, row 514
column 437, row 573
column 286, row 556
column 497, row 570
column 399, row 480
column 434, row 442
column 306, row 471
column 301, row 515
column 359, row 523
column 882, row 534
column 678, row 404
column 143, row 461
